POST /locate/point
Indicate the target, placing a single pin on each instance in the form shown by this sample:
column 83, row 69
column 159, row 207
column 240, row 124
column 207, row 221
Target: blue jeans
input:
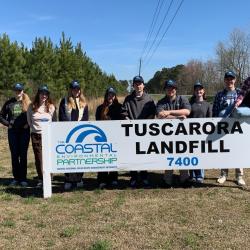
column 19, row 143
column 197, row 173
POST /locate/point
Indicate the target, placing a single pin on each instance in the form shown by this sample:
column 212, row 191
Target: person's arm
column 152, row 110
column 85, row 116
column 244, row 88
column 160, row 111
column 124, row 110
column 209, row 111
column 215, row 109
column 62, row 111
column 29, row 114
column 4, row 114
column 54, row 114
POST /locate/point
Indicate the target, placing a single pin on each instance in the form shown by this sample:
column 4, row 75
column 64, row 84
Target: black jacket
column 11, row 114
column 114, row 112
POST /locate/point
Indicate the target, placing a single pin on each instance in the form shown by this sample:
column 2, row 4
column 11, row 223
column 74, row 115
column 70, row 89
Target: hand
column 238, row 103
column 182, row 117
column 26, row 126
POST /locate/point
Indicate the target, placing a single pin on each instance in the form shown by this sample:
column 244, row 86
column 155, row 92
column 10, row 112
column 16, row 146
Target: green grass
column 101, row 245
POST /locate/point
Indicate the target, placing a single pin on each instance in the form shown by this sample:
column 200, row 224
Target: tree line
column 54, row 65
column 233, row 54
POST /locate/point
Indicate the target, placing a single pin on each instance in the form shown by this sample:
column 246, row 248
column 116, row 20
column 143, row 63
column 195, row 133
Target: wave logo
column 100, row 136
column 74, row 143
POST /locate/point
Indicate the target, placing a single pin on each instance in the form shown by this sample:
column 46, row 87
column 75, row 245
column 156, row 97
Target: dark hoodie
column 12, row 114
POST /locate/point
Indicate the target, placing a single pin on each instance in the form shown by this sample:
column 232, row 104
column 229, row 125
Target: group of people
column 22, row 116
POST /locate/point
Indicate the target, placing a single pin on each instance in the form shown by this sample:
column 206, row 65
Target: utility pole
column 140, row 68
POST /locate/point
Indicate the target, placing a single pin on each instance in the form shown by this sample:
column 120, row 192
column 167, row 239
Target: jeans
column 197, row 173
column 18, row 144
column 37, row 149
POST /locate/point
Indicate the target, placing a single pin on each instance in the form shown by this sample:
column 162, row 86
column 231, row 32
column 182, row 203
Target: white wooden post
column 46, row 146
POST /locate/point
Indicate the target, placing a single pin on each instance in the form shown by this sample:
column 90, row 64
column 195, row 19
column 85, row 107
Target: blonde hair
column 25, row 102
column 71, row 102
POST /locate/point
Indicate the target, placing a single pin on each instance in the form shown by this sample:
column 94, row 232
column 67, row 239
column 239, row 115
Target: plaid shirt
column 220, row 101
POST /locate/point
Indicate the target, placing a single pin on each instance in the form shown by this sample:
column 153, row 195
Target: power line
column 176, row 12
column 159, row 29
column 152, row 26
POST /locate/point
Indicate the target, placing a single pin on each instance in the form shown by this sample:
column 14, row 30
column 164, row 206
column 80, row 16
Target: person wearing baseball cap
column 223, row 102
column 110, row 109
column 138, row 105
column 73, row 107
column 14, row 116
column 173, row 106
column 40, row 110
column 200, row 108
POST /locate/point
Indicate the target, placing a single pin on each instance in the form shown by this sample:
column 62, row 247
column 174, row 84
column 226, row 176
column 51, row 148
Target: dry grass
column 210, row 217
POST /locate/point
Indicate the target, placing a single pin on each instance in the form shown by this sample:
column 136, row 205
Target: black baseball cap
column 198, row 85
column 170, row 84
column 43, row 88
column 230, row 74
column 75, row 85
column 111, row 90
column 138, row 79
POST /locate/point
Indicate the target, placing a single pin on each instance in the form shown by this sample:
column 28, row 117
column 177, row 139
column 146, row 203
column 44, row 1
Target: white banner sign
column 145, row 145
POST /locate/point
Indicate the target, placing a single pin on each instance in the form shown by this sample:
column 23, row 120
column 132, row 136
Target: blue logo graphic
column 74, row 143
column 100, row 137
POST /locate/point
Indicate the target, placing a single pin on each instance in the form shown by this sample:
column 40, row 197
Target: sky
column 113, row 32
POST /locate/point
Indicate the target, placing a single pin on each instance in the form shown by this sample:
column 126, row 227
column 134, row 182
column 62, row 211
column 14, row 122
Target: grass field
column 208, row 217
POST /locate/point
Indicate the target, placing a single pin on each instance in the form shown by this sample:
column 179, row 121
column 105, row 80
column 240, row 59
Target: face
column 18, row 93
column 43, row 96
column 230, row 83
column 199, row 92
column 138, row 86
column 111, row 97
column 76, row 92
column 171, row 92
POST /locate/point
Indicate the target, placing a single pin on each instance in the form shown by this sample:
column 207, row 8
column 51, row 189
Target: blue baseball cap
column 75, row 85
column 43, row 88
column 198, row 85
column 18, row 86
column 170, row 84
column 230, row 74
column 138, row 79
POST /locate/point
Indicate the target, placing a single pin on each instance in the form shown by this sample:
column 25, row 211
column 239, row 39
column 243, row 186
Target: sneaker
column 24, row 183
column 192, row 180
column 222, row 179
column 39, row 184
column 79, row 184
column 199, row 180
column 13, row 183
column 67, row 186
column 240, row 181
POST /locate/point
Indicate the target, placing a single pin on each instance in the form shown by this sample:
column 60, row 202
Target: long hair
column 71, row 102
column 105, row 107
column 193, row 97
column 36, row 102
column 25, row 102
